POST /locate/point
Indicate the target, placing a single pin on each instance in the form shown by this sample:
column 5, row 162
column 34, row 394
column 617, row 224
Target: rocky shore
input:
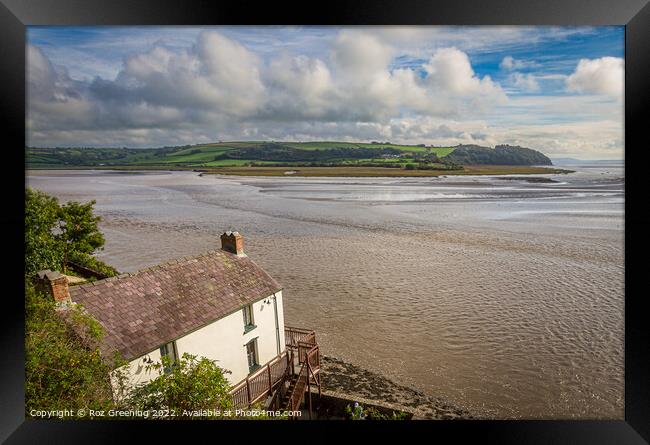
column 344, row 378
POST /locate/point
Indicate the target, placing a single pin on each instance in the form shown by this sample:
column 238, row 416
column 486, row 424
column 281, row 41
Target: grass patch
column 440, row 151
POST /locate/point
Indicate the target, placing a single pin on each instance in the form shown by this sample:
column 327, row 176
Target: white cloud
column 218, row 80
column 365, row 87
column 509, row 63
column 449, row 69
column 218, row 88
column 303, row 76
column 215, row 73
column 455, row 86
column 599, row 139
column 598, row 76
column 525, row 82
column 359, row 55
column 55, row 100
column 298, row 86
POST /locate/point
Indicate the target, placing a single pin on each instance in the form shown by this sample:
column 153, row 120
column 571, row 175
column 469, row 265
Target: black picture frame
column 634, row 14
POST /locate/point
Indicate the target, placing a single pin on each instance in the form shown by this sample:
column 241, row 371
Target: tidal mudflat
column 504, row 297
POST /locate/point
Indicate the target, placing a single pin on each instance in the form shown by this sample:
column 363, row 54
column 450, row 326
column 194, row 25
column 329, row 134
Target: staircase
column 300, row 383
column 302, row 354
column 285, row 403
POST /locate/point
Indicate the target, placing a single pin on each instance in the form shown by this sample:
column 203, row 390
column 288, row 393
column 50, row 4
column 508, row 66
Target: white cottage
column 219, row 305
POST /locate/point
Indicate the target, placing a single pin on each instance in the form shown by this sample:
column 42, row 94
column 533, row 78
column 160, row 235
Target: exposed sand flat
column 502, row 299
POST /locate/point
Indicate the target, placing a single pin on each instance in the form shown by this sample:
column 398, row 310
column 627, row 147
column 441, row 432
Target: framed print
column 373, row 211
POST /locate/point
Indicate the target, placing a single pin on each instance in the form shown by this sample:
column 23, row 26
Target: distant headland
column 330, row 158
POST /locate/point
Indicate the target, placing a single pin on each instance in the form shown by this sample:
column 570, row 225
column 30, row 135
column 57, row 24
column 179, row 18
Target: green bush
column 63, row 366
column 93, row 263
column 189, row 384
column 374, row 414
column 357, row 412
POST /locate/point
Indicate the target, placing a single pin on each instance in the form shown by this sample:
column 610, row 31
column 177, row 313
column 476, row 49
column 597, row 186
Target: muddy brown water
column 503, row 297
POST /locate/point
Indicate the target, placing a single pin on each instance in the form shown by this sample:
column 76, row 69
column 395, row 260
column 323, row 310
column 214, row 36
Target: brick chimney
column 233, row 242
column 55, row 284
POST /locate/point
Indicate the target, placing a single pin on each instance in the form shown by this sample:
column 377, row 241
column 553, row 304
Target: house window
column 169, row 350
column 248, row 318
column 251, row 354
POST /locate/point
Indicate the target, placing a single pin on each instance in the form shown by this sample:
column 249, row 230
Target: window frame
column 255, row 352
column 249, row 319
column 173, row 352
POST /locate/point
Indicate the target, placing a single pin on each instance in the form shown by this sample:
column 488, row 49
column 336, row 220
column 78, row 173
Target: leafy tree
column 63, row 365
column 56, row 234
column 78, row 230
column 499, row 155
column 189, row 384
column 42, row 249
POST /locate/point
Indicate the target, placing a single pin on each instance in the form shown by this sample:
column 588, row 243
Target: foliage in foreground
column 90, row 262
column 189, row 384
column 78, row 230
column 63, row 369
column 358, row 412
column 55, row 234
column 190, row 388
column 42, row 249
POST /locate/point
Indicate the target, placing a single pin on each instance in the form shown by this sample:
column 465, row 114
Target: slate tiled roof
column 143, row 310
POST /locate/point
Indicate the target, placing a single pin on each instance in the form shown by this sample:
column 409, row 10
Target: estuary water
column 503, row 296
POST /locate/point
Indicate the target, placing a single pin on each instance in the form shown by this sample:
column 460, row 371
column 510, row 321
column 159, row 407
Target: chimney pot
column 55, row 284
column 233, row 242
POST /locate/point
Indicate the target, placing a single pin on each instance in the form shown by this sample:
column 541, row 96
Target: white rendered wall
column 137, row 372
column 224, row 341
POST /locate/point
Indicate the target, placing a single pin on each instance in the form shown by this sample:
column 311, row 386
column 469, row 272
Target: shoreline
column 346, row 380
column 336, row 172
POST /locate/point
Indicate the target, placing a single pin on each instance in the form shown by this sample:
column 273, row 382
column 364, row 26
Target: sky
column 559, row 90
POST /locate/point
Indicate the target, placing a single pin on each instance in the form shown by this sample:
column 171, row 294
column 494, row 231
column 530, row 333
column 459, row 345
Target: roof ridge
column 183, row 294
column 150, row 268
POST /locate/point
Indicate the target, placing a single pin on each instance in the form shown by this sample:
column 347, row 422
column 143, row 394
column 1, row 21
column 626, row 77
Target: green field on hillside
column 216, row 154
column 319, row 154
column 440, row 151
